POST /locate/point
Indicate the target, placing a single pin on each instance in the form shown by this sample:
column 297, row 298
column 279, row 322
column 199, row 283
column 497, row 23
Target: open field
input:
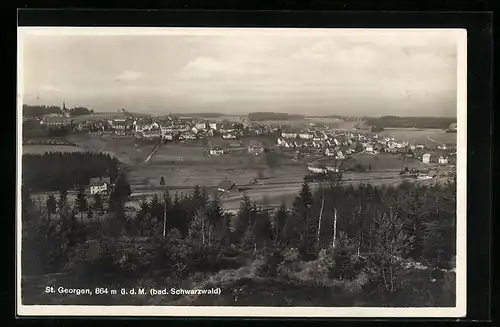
column 428, row 137
column 127, row 150
column 270, row 179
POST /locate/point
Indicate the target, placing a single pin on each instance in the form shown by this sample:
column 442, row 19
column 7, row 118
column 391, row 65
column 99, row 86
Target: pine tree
column 162, row 181
column 305, row 195
column 215, row 218
column 63, row 200
column 98, row 204
column 81, row 202
column 244, row 217
column 51, row 205
column 199, row 227
column 279, row 221
column 119, row 195
column 262, row 229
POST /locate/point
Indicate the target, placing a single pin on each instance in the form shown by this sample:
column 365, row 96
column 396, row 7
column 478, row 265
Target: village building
column 200, row 126
column 213, row 126
column 340, row 155
column 255, row 148
column 306, row 136
column 227, row 186
column 288, row 135
column 443, row 160
column 316, row 170
column 329, row 152
column 216, row 151
column 99, row 185
column 229, row 136
column 426, row 158
column 369, row 148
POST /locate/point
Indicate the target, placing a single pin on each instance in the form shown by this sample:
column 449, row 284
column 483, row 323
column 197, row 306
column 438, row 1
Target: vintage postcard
column 260, row 172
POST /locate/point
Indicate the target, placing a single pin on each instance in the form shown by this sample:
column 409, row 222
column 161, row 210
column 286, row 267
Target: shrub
column 291, row 254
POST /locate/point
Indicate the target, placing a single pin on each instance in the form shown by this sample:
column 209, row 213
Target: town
column 315, row 148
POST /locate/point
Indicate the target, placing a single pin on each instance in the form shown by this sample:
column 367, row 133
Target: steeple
column 64, row 106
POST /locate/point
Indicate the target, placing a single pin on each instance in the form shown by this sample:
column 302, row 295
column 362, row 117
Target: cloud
column 128, row 75
column 50, row 88
column 208, row 67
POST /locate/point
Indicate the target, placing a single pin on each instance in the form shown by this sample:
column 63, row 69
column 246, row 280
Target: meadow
column 428, row 137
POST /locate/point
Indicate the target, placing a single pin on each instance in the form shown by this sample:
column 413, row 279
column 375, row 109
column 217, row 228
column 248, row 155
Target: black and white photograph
column 281, row 172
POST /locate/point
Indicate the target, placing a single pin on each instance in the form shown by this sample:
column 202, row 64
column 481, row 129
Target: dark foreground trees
column 380, row 233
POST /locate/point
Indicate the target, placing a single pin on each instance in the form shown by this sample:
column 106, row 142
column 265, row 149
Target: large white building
column 99, row 185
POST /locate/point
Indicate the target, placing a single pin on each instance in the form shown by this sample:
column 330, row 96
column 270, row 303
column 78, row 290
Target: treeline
column 80, row 111
column 33, row 129
column 262, row 116
column 363, row 235
column 56, row 171
column 411, row 122
column 37, row 111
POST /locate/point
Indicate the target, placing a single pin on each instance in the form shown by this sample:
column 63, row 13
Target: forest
column 261, row 116
column 336, row 246
column 60, row 171
column 411, row 122
column 38, row 111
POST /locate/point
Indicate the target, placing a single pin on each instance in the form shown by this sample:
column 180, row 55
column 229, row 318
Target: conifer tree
column 244, row 217
column 81, row 202
column 51, row 205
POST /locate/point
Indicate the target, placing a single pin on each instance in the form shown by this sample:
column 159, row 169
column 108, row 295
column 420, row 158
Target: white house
column 280, row 141
column 200, row 126
column 287, row 135
column 216, row 152
column 426, row 158
column 443, row 160
column 369, row 148
column 329, row 152
column 332, row 169
column 442, row 147
column 99, row 185
column 229, row 136
column 306, row 136
column 340, row 155
column 316, row 170
column 213, row 126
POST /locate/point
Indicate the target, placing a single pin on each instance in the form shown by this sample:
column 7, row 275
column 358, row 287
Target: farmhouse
column 200, row 126
column 426, row 158
column 316, row 170
column 216, row 152
column 288, row 135
column 306, row 136
column 227, row 186
column 369, row 148
column 228, row 136
column 255, row 148
column 329, row 152
column 443, row 160
column 99, row 185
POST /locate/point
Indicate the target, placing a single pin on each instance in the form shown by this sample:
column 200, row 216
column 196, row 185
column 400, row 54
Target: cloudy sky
column 316, row 72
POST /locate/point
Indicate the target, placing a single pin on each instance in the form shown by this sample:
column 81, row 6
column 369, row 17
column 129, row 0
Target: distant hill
column 262, row 116
column 411, row 122
column 200, row 114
